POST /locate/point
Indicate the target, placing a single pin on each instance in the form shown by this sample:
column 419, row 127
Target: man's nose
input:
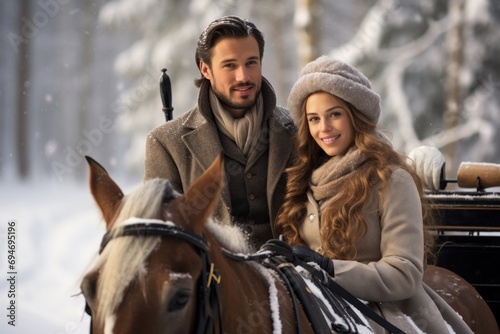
column 242, row 74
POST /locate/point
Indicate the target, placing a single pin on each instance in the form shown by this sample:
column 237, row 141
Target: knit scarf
column 244, row 131
column 327, row 179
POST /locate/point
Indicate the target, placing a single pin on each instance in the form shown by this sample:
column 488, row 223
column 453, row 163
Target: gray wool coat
column 182, row 149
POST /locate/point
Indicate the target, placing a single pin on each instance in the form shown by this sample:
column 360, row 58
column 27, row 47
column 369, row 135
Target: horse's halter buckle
column 212, row 275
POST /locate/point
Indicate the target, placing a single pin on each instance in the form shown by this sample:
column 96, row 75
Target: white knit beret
column 338, row 78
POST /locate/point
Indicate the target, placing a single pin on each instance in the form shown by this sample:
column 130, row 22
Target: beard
column 248, row 102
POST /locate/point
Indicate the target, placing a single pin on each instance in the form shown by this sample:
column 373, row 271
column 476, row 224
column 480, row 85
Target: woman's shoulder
column 401, row 191
column 400, row 176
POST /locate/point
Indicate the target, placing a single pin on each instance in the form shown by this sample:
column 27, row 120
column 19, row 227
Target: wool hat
column 338, row 78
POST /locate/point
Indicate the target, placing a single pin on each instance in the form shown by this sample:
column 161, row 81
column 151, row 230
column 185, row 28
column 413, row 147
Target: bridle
column 209, row 306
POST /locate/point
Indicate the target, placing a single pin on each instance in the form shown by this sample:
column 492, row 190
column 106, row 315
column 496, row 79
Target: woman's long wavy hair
column 346, row 223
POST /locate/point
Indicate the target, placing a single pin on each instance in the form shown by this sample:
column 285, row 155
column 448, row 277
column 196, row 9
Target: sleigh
column 468, row 229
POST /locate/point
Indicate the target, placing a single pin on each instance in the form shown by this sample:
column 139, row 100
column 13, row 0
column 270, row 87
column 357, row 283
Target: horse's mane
column 124, row 258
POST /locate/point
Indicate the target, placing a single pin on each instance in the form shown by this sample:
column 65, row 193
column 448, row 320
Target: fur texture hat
column 340, row 79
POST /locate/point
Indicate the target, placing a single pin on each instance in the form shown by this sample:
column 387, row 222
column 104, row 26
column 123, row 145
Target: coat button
column 311, row 217
column 251, row 196
column 249, row 175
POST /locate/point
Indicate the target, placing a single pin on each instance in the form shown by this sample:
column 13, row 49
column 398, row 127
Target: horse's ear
column 105, row 191
column 201, row 197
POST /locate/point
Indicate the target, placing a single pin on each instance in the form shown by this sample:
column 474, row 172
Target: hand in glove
column 306, row 254
column 278, row 247
column 428, row 163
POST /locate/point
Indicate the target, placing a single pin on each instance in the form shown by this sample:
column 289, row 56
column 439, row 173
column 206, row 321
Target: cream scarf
column 328, row 178
column 244, row 131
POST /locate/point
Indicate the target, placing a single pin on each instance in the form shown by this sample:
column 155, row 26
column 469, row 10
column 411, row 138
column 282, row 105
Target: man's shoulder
column 174, row 127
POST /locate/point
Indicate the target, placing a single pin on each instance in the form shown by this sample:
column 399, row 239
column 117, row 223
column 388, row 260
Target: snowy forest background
column 81, row 78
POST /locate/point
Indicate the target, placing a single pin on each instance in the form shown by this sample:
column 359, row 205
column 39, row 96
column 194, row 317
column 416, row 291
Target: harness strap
column 363, row 308
column 156, row 230
column 341, row 308
column 285, row 280
column 210, row 297
column 303, row 293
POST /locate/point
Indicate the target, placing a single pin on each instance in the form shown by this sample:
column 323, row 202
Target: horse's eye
column 179, row 300
column 89, row 288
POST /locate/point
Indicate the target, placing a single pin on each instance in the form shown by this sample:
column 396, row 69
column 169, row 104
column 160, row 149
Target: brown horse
column 463, row 298
column 149, row 284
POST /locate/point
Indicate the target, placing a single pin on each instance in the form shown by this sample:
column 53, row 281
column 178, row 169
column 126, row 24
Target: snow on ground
column 58, row 231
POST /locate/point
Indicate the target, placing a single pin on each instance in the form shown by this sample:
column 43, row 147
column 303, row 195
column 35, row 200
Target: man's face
column 235, row 74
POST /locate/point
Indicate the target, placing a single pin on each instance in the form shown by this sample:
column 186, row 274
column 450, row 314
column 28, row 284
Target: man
column 236, row 114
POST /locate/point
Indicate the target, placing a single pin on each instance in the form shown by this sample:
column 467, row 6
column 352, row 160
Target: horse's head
column 143, row 283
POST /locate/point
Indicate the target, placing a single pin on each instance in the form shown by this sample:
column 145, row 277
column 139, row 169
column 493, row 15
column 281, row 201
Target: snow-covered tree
column 404, row 48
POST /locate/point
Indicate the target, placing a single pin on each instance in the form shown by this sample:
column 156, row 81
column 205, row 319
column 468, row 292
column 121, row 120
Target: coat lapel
column 204, row 144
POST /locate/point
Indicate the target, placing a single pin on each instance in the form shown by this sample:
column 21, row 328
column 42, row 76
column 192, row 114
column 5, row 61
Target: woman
column 354, row 203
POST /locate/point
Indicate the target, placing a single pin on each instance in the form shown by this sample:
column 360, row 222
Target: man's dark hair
column 224, row 27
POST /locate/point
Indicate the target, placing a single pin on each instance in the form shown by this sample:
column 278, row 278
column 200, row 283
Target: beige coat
column 181, row 149
column 388, row 268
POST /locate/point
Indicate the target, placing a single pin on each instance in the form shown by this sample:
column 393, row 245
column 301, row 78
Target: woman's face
column 329, row 123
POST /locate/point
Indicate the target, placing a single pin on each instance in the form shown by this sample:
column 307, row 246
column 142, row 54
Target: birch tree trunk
column 453, row 99
column 306, row 23
column 23, row 62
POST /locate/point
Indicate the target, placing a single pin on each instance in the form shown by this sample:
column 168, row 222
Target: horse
column 150, row 284
column 154, row 276
column 463, row 298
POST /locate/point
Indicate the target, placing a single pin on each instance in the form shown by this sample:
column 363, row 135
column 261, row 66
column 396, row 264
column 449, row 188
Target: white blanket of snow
column 59, row 230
